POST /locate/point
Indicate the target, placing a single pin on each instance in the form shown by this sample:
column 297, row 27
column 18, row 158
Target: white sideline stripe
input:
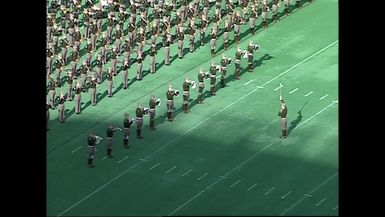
column 248, row 82
column 324, row 96
column 76, row 149
column 252, row 187
column 308, row 93
column 301, row 199
column 118, row 176
column 154, row 166
column 293, row 91
column 123, row 159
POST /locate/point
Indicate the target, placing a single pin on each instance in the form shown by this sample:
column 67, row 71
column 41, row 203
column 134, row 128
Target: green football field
column 224, row 157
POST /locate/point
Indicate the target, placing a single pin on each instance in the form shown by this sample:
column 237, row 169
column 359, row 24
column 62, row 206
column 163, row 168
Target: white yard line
column 171, row 169
column 251, row 187
column 324, row 96
column 76, row 149
column 153, row 167
column 306, row 95
column 293, row 91
column 248, row 82
column 234, row 184
column 200, row 178
column 123, row 159
column 188, row 171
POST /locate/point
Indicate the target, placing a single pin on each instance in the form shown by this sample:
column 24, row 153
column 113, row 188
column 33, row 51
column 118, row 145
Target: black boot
column 152, row 127
column 139, row 133
column 109, row 153
column 212, row 52
column 250, row 67
column 237, row 74
column 236, row 38
column 252, row 30
column 187, row 108
column 226, row 45
column 223, row 83
column 90, row 165
column 283, row 134
column 125, row 143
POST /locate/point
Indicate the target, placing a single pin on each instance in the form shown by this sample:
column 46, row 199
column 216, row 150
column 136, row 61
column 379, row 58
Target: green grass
column 234, row 133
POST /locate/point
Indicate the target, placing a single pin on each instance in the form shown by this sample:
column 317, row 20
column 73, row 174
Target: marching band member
column 61, row 107
column 265, row 9
column 153, row 102
column 52, row 92
column 186, row 93
column 152, row 57
column 225, row 61
column 282, row 113
column 93, row 85
column 180, row 36
column 201, row 76
column 250, row 55
column 59, row 67
column 127, row 122
column 170, row 101
column 110, row 132
column 140, row 111
column 78, row 89
column 238, row 55
column 275, row 10
column 125, row 68
column 93, row 140
column 253, row 18
column 213, row 72
column 213, row 41
column 110, row 80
